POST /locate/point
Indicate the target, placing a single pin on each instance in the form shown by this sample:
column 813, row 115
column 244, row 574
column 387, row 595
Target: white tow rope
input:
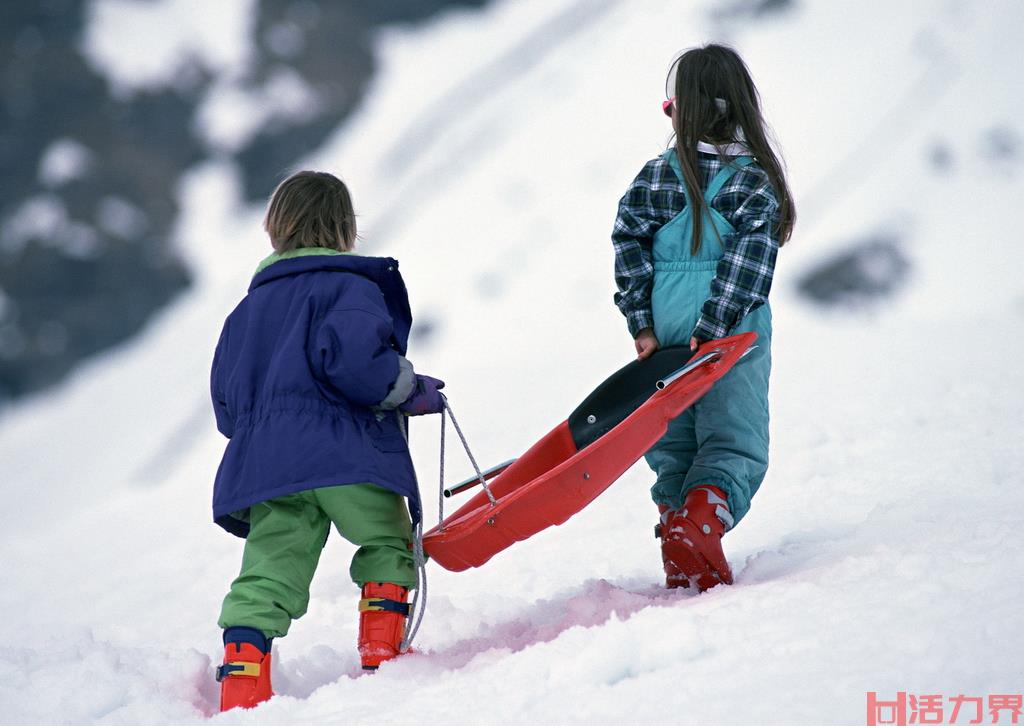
column 418, row 606
column 472, row 460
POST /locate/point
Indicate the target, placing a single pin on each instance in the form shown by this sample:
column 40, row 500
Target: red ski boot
column 673, row 575
column 382, row 615
column 245, row 675
column 691, row 542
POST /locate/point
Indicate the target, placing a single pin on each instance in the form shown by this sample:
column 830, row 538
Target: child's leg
column 281, row 555
column 375, row 520
column 671, row 458
column 732, row 433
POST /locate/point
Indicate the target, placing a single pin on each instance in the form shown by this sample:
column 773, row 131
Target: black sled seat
column 622, row 393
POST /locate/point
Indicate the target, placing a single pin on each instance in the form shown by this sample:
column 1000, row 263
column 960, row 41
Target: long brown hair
column 704, row 77
column 311, row 209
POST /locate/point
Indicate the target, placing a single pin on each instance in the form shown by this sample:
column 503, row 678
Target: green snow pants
column 287, row 536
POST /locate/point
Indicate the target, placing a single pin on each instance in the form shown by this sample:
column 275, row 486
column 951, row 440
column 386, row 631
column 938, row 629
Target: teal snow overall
column 723, row 438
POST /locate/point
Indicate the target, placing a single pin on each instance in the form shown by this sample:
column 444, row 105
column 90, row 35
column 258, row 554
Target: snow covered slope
column 884, row 551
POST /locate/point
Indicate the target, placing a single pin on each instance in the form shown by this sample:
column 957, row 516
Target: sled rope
column 445, row 414
column 418, row 606
column 440, row 494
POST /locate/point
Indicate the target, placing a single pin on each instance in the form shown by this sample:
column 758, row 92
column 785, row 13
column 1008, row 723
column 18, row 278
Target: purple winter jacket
column 301, row 362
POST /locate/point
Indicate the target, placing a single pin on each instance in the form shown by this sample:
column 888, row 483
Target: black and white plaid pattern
column 744, row 274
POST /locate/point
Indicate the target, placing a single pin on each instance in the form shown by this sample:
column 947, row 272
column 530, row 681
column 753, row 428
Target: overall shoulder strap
column 723, row 176
column 673, row 162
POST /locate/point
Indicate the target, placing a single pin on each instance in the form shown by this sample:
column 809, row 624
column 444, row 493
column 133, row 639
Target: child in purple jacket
column 311, row 387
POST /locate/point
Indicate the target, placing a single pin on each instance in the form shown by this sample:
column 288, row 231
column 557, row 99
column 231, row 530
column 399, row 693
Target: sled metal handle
column 475, row 480
column 694, row 364
column 691, row 366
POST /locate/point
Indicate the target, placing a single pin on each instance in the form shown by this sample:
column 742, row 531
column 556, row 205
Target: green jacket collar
column 292, row 254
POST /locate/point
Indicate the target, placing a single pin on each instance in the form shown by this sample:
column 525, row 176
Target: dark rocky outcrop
column 872, row 268
column 88, row 194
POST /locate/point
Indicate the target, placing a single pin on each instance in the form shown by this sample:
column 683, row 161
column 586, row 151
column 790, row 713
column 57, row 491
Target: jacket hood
column 382, row 271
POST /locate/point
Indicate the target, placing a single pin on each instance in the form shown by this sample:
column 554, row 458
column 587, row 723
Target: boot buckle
column 238, row 668
column 383, row 604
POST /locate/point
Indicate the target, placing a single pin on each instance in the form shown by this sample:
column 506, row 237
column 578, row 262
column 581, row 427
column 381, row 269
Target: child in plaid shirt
column 695, row 240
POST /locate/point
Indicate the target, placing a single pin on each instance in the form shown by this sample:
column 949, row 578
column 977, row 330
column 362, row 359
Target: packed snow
column 883, row 552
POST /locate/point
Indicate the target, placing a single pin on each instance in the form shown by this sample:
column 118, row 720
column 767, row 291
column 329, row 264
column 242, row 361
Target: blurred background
column 107, row 106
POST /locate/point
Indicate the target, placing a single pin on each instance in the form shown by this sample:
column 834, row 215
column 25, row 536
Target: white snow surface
column 145, row 43
column 63, row 160
column 884, row 550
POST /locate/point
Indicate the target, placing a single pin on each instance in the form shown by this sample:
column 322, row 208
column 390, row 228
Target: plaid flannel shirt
column 743, row 277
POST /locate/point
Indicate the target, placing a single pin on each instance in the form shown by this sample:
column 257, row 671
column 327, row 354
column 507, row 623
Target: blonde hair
column 311, row 209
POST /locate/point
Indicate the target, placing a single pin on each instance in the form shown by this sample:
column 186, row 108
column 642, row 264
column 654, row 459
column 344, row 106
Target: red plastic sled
column 584, row 455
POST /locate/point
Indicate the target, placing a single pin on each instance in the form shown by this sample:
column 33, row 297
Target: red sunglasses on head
column 666, row 106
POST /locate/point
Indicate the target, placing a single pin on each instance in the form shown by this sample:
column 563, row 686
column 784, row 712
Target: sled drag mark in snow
column 593, row 605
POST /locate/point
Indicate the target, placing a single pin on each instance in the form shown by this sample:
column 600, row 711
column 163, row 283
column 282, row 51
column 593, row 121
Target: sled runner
column 582, row 456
